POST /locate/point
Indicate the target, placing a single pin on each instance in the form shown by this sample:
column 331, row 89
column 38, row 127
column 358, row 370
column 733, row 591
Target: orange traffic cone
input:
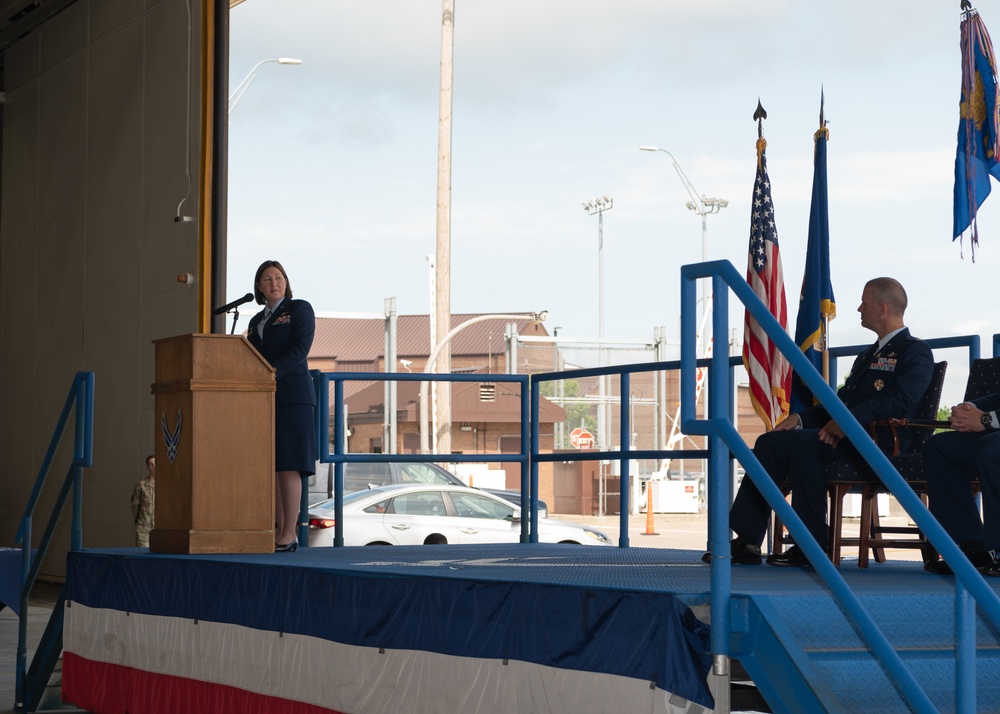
column 650, row 518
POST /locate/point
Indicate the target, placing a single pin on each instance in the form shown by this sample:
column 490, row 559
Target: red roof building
column 486, row 417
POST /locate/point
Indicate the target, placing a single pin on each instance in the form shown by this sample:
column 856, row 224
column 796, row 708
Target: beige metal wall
column 94, row 135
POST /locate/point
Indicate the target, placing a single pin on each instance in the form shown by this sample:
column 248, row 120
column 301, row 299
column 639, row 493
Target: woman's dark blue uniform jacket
column 288, row 335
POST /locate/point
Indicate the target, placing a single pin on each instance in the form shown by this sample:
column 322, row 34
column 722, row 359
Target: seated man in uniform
column 952, row 459
column 886, row 381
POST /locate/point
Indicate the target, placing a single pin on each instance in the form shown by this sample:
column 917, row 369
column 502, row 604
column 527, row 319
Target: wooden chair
column 984, row 379
column 852, row 476
column 846, row 477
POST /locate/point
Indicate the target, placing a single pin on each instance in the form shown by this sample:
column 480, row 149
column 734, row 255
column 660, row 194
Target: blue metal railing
column 339, row 456
column 722, row 434
column 79, row 401
column 626, row 453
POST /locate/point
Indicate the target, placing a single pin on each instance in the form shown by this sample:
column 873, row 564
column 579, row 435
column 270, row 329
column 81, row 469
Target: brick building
column 486, row 417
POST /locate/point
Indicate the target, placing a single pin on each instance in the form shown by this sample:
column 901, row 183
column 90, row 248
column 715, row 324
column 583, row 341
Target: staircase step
column 860, row 683
column 908, row 622
column 833, row 668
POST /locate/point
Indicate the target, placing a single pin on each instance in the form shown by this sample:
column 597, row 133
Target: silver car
column 422, row 514
column 363, row 475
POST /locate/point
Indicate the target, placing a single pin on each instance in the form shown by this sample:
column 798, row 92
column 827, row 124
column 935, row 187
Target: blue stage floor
column 661, row 570
column 656, row 570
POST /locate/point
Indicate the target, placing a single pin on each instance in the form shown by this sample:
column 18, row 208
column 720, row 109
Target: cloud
column 521, row 49
column 333, row 163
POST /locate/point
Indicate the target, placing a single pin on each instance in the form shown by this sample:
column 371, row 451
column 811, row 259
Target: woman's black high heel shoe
column 287, row 547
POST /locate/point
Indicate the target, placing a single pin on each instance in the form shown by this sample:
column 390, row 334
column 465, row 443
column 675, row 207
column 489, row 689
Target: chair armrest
column 920, row 423
column 895, row 424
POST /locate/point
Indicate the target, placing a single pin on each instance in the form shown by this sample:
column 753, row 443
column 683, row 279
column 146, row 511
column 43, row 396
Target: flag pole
column 767, row 368
column 817, row 305
column 825, row 323
column 825, row 319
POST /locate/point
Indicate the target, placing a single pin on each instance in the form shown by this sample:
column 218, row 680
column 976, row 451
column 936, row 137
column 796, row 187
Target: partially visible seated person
column 952, row 460
column 887, row 380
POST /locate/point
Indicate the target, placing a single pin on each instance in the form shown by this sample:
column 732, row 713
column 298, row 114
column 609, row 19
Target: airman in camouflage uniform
column 143, row 497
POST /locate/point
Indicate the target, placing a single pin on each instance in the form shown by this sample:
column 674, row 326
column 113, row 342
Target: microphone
column 235, row 303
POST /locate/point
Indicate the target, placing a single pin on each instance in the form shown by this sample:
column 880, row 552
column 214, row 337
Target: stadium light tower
column 598, row 206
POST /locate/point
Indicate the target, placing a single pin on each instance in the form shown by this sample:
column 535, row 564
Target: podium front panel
column 215, row 447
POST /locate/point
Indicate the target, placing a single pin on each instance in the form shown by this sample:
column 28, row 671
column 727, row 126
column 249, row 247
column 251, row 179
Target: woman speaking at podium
column 283, row 333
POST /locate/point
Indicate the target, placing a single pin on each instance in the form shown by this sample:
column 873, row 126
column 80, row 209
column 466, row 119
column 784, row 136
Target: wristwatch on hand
column 987, row 420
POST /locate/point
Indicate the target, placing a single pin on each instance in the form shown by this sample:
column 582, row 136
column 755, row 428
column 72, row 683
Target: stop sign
column 581, row 438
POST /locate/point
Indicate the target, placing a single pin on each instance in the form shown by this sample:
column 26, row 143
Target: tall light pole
column 441, row 317
column 599, row 206
column 560, row 385
column 704, row 207
column 540, row 316
column 245, row 83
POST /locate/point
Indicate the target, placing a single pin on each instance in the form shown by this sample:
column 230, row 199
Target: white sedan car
column 422, row 514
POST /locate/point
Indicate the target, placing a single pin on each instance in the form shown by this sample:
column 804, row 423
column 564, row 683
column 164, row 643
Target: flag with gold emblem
column 976, row 156
column 817, row 305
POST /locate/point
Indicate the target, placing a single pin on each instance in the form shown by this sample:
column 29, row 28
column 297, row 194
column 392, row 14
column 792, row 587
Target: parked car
column 362, row 476
column 422, row 514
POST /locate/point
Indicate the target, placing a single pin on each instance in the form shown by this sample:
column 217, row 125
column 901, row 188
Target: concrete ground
column 42, row 600
column 689, row 531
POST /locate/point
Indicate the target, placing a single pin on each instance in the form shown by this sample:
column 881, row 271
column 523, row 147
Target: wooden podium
column 214, row 421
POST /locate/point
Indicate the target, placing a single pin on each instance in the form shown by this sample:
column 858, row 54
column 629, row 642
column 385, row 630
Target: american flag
column 770, row 373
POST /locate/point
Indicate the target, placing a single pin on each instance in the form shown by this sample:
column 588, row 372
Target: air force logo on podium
column 171, row 439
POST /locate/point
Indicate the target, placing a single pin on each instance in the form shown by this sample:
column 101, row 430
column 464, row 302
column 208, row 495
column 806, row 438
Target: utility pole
column 389, row 428
column 442, row 307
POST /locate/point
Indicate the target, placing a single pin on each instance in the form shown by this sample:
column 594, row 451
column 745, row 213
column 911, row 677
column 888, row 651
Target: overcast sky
column 333, row 163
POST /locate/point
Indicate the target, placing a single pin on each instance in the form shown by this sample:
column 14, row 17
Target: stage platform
column 452, row 628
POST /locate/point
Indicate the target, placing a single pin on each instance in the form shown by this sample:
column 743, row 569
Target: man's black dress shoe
column 982, row 560
column 993, row 569
column 791, row 558
column 742, row 553
column 938, row 567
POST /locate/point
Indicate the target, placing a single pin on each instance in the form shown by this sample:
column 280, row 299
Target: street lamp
column 540, row 316
column 704, row 207
column 700, row 204
column 244, row 84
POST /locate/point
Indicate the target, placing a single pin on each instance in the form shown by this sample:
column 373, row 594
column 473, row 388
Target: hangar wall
column 95, row 127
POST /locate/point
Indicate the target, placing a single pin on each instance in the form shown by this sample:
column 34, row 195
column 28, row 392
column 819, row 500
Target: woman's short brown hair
column 257, row 294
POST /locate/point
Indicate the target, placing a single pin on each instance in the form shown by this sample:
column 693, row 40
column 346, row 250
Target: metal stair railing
column 971, row 588
column 30, row 684
column 625, row 454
